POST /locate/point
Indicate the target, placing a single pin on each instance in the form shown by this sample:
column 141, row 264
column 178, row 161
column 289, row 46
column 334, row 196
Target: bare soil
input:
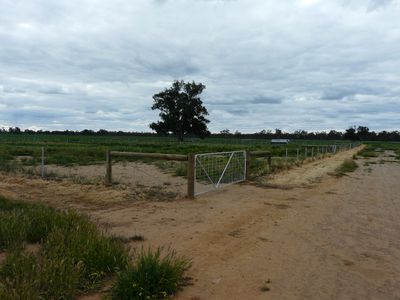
column 131, row 174
column 309, row 236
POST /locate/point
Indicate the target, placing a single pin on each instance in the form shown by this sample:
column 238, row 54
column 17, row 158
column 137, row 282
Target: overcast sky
column 288, row 64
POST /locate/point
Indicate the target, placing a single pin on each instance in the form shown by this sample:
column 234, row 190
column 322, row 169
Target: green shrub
column 152, row 276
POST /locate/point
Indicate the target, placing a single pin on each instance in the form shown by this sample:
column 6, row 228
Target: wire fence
column 296, row 156
column 211, row 170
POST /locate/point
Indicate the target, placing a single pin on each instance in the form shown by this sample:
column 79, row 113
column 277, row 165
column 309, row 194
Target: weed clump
column 368, row 152
column 349, row 165
column 152, row 276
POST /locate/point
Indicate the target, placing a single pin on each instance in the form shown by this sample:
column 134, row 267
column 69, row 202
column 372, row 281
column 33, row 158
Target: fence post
column 108, row 179
column 190, row 176
column 269, row 158
column 297, row 154
column 42, row 164
column 248, row 157
column 286, row 155
column 312, row 152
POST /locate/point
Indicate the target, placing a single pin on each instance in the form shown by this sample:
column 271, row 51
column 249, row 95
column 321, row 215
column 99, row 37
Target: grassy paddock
column 21, row 153
column 67, row 150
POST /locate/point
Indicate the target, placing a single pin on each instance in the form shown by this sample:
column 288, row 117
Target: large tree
column 181, row 110
column 350, row 134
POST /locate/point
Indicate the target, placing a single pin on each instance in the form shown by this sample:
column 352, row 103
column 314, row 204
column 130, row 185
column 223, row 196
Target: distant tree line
column 360, row 133
column 100, row 132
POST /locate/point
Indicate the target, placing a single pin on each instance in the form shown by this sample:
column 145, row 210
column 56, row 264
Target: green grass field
column 81, row 150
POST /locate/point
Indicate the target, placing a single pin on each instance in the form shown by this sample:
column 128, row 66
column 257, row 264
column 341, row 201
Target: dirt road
column 318, row 238
column 338, row 239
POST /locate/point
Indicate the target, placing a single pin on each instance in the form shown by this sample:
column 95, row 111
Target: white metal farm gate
column 215, row 170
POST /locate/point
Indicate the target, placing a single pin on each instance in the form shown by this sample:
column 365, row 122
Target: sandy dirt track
column 318, row 238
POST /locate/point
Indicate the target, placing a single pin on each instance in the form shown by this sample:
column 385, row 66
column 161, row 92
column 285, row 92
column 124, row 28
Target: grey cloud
column 13, row 90
column 54, row 90
column 34, row 114
column 98, row 66
column 376, row 4
column 341, row 92
column 238, row 111
column 246, row 100
column 369, row 6
column 265, row 100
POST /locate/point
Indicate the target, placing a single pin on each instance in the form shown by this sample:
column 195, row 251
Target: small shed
column 280, row 141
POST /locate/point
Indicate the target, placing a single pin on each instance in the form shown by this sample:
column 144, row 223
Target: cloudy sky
column 288, row 64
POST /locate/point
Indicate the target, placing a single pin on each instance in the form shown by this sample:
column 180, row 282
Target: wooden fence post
column 190, row 176
column 248, row 157
column 269, row 157
column 108, row 179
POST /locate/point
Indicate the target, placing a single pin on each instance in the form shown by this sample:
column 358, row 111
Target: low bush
column 152, row 276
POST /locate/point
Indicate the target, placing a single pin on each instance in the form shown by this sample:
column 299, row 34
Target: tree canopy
column 181, row 110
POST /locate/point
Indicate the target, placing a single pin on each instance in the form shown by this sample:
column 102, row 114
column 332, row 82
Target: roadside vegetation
column 152, row 276
column 374, row 148
column 349, row 165
column 51, row 254
column 368, row 152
